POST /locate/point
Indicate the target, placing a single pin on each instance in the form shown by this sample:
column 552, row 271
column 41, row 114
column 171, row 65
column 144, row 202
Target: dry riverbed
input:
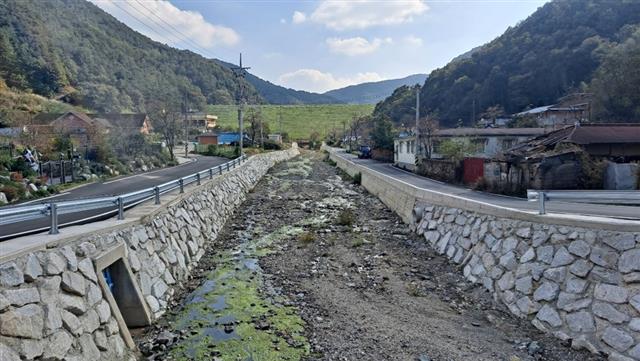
column 312, row 267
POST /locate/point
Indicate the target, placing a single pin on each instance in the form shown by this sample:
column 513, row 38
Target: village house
column 136, row 123
column 207, row 139
column 404, row 151
column 487, row 142
column 204, row 123
column 562, row 159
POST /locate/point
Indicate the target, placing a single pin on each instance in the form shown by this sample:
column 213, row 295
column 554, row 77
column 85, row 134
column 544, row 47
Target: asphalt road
column 625, row 212
column 121, row 185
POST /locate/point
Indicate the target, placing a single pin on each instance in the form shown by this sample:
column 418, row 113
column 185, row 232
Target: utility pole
column 239, row 73
column 473, row 112
column 417, row 120
column 186, row 126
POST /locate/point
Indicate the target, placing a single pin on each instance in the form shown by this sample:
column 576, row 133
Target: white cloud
column 316, row 81
column 298, row 17
column 361, row 14
column 355, row 46
column 413, row 40
column 160, row 27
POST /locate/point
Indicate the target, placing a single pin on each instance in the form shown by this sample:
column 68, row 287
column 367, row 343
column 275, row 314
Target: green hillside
column 73, row 48
column 554, row 51
column 299, row 121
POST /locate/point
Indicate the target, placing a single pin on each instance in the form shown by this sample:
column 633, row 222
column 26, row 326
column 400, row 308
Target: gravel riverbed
column 313, row 267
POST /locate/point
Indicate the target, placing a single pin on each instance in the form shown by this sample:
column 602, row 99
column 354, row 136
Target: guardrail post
column 62, row 177
column 181, row 181
column 120, row 202
column 53, row 208
column 227, row 166
column 541, row 200
column 210, row 173
column 156, row 194
column 198, row 178
column 219, row 169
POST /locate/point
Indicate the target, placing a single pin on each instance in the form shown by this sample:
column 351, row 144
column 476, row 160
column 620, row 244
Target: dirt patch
column 351, row 282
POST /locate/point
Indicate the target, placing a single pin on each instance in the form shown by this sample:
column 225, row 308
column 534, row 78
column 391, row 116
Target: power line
column 135, row 18
column 162, row 28
column 184, row 37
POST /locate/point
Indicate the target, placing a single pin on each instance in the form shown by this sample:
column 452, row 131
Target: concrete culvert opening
column 122, row 292
column 119, row 282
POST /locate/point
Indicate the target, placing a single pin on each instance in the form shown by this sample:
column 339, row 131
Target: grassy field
column 297, row 120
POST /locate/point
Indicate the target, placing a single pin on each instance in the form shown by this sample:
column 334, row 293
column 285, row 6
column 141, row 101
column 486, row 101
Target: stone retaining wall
column 54, row 303
column 575, row 277
column 577, row 283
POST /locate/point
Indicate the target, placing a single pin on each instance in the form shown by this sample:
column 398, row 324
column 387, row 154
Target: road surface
column 624, row 212
column 121, row 185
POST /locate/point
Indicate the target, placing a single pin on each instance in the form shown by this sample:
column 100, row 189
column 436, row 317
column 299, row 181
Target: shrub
column 12, row 192
column 346, row 217
column 306, row 237
column 357, row 242
column 357, row 178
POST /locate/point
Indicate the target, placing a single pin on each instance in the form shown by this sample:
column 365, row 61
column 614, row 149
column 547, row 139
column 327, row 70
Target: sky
column 319, row 45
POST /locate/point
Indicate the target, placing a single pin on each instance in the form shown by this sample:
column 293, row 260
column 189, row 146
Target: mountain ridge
column 373, row 92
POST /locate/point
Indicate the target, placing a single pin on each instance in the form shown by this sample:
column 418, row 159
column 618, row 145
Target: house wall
column 489, row 146
column 404, row 153
column 208, row 140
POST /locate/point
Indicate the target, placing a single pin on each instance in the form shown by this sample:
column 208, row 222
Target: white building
column 404, row 152
column 486, row 142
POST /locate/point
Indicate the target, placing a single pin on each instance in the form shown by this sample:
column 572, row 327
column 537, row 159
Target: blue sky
column 325, row 44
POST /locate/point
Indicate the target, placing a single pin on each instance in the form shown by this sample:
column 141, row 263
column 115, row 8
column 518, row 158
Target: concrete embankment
column 73, row 296
column 575, row 277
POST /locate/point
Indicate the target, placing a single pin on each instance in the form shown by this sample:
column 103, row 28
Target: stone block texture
column 576, row 283
column 51, row 306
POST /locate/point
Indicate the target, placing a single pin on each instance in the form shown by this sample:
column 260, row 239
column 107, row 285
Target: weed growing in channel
column 346, row 217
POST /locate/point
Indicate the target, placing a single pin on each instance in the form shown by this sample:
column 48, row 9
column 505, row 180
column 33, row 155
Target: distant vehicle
column 365, row 152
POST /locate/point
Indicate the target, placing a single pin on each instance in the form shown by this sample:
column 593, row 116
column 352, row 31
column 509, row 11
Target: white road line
column 44, row 199
column 147, row 173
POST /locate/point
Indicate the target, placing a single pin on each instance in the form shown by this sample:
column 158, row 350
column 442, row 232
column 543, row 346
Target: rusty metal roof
column 465, row 132
column 604, row 133
column 578, row 134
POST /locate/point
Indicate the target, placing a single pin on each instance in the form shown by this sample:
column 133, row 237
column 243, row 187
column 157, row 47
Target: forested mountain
column 276, row 94
column 553, row 52
column 73, row 48
column 373, row 92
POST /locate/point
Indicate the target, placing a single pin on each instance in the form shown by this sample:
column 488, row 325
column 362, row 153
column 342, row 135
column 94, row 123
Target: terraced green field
column 297, row 120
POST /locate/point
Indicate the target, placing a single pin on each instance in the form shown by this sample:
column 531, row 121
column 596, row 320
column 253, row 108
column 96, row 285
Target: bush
column 12, row 192
column 346, row 217
column 306, row 237
column 357, row 178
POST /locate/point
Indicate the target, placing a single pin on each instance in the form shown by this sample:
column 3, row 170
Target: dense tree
column 534, row 63
column 382, row 133
column 616, row 83
column 72, row 45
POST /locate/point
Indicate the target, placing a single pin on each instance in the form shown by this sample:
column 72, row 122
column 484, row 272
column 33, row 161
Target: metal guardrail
column 600, row 197
column 53, row 210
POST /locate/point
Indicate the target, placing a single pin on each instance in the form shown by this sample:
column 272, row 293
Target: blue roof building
column 227, row 138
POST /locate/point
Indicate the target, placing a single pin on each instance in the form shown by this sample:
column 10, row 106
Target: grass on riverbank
column 299, row 121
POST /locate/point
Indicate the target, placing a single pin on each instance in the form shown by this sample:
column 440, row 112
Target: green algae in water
column 226, row 317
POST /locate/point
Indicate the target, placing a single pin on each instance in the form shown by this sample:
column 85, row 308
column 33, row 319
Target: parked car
column 365, row 152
